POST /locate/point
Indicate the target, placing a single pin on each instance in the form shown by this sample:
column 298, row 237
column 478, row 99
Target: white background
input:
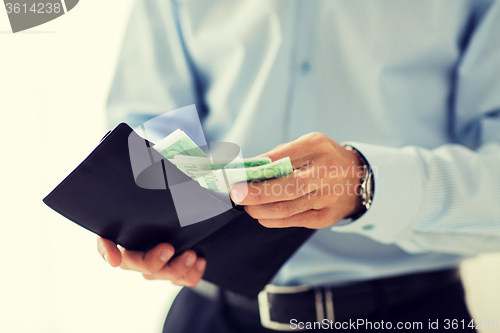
column 54, row 80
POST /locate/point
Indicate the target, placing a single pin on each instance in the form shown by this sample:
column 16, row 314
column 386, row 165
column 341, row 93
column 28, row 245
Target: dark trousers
column 193, row 313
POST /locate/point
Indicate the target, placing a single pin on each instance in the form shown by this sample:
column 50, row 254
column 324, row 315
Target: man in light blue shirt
column 413, row 86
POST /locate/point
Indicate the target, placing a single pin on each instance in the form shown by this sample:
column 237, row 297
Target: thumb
column 275, row 153
column 109, row 251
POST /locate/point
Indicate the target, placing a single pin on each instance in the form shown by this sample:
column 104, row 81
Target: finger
column 109, row 251
column 156, row 258
column 284, row 209
column 290, row 187
column 298, row 151
column 191, row 278
column 195, row 274
column 178, row 268
column 272, row 151
column 301, row 151
column 317, row 218
column 133, row 260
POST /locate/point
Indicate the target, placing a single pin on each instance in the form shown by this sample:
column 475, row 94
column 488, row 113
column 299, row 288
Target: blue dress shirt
column 413, row 85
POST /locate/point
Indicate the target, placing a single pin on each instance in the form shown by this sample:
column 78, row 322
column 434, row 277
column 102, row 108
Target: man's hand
column 185, row 270
column 322, row 190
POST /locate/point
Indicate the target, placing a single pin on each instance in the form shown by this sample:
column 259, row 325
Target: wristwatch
column 367, row 185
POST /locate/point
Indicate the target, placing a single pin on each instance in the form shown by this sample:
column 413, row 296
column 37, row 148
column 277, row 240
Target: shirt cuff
column 398, row 178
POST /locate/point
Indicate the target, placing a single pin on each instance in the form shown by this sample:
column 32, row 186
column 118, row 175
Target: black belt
column 277, row 306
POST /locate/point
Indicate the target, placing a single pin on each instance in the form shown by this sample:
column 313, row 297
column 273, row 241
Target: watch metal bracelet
column 366, row 185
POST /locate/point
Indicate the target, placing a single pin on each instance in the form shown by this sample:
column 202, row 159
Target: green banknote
column 214, row 181
column 218, row 174
column 275, row 169
column 190, row 166
column 178, row 143
column 205, row 163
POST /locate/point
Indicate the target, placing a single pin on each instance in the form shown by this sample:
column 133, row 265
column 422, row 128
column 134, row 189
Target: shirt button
column 305, row 67
column 368, row 227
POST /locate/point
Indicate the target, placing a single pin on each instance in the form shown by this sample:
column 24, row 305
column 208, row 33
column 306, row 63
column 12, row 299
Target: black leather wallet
column 102, row 195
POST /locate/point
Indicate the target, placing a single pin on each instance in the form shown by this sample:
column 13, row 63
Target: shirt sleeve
column 153, row 75
column 446, row 199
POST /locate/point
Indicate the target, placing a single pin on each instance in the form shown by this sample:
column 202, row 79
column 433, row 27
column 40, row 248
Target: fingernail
column 165, row 255
column 237, row 194
column 200, row 265
column 105, row 256
column 190, row 259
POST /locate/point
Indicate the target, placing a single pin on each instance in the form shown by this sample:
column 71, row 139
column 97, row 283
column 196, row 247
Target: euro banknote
column 217, row 174
column 206, row 163
column 222, row 180
column 178, row 143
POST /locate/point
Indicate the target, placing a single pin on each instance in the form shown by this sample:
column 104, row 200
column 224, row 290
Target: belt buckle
column 264, row 306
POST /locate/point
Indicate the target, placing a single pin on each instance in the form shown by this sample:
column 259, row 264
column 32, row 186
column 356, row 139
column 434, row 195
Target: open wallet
column 113, row 196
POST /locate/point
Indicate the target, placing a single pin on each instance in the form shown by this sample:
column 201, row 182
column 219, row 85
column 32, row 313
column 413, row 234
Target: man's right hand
column 185, row 270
